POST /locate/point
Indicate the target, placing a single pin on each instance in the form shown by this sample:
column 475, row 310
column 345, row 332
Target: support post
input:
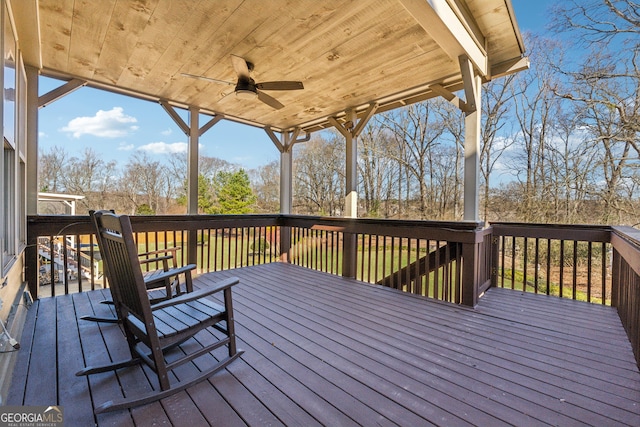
column 470, row 258
column 351, row 172
column 349, row 258
column 472, row 124
column 351, row 129
column 495, row 261
column 192, row 162
column 285, row 147
column 32, row 140
column 194, row 132
column 616, row 272
column 192, row 182
column 31, row 251
column 286, row 194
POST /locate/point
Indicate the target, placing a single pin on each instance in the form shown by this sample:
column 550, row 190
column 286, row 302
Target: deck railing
column 422, row 257
column 450, row 261
column 626, row 274
column 211, row 242
column 433, row 259
column 569, row 261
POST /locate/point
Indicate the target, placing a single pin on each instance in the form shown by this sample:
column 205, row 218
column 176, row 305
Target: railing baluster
column 561, row 268
column 391, row 275
column 408, row 263
column 502, row 258
column 603, row 274
column 575, row 270
column 417, row 287
column 513, row 262
column 525, row 261
column 548, row 278
column 589, row 270
column 535, row 267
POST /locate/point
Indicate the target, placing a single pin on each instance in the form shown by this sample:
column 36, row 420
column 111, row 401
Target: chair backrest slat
column 120, row 258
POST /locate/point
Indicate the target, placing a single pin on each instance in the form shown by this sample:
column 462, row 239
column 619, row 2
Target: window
column 8, row 204
column 8, row 212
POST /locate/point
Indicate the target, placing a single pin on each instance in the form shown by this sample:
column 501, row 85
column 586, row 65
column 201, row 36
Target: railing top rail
column 580, row 232
column 460, row 231
column 81, row 224
column 632, row 235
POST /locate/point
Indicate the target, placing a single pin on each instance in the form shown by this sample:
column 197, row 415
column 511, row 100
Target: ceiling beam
column 27, row 20
column 510, row 67
column 448, row 30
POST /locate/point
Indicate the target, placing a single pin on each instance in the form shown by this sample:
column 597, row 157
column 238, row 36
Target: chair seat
column 190, row 316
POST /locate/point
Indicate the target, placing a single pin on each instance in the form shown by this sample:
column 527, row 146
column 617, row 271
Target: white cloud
column 165, row 147
column 123, row 146
column 42, row 135
column 167, row 132
column 105, row 124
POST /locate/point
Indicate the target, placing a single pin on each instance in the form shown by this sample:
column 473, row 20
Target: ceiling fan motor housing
column 246, row 89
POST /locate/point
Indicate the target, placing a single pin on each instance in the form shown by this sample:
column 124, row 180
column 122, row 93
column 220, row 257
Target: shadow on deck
column 325, row 350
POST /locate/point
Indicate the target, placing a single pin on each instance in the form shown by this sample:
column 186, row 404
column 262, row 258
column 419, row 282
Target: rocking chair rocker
column 149, row 328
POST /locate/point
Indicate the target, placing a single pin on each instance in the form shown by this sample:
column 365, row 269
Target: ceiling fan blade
column 283, row 85
column 270, row 101
column 226, row 96
column 240, row 65
column 193, row 76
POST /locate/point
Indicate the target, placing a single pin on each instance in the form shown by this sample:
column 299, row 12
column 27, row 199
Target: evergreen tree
column 234, row 193
column 205, row 196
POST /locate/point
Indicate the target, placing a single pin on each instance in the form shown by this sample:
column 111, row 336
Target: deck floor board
column 325, row 350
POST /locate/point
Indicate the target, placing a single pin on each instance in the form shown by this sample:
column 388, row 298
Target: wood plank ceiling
column 348, row 54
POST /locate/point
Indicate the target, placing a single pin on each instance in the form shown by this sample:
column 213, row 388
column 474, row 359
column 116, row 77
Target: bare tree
column 599, row 21
column 51, row 169
column 266, row 186
column 375, row 166
column 536, row 107
column 417, row 128
column 497, row 100
column 92, row 177
column 319, row 176
column 144, row 183
column 605, row 88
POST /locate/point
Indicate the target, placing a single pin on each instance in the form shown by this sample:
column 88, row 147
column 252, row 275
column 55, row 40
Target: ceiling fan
column 247, row 88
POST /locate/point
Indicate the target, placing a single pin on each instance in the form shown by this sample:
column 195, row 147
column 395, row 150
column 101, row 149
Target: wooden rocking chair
column 154, row 329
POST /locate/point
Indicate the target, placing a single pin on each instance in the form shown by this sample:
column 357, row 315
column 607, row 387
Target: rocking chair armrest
column 200, row 293
column 155, row 259
column 171, row 250
column 163, row 275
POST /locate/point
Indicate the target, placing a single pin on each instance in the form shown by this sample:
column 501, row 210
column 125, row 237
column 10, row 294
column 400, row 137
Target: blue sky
column 115, row 126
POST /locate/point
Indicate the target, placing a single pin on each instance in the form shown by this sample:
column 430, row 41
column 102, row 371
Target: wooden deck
column 324, row 350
